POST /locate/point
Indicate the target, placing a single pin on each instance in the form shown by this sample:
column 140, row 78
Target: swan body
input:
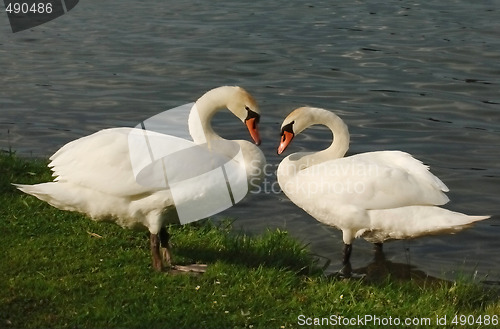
column 96, row 174
column 379, row 196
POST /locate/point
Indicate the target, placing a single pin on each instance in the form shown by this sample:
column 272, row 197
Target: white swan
column 376, row 195
column 94, row 174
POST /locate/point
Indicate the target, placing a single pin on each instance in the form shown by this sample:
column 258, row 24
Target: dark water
column 422, row 78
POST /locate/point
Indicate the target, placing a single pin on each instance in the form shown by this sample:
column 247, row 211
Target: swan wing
column 406, row 162
column 408, row 222
column 109, row 160
column 375, row 180
column 100, row 162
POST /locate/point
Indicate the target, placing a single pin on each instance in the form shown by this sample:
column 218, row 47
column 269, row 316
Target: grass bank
column 61, row 270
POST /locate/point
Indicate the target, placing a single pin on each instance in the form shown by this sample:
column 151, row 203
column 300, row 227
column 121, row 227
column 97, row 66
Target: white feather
column 94, row 174
column 376, row 195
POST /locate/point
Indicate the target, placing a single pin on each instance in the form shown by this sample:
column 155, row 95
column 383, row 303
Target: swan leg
column 379, row 251
column 347, row 253
column 378, row 247
column 165, row 247
column 154, row 241
column 346, row 270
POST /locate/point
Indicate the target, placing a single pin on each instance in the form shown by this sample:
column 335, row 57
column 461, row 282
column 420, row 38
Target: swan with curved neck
column 94, row 174
column 236, row 100
column 375, row 195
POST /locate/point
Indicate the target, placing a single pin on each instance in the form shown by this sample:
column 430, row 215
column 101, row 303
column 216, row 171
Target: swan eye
column 252, row 115
column 288, row 127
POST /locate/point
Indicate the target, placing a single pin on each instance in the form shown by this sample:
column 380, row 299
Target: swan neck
column 340, row 143
column 341, row 138
column 202, row 112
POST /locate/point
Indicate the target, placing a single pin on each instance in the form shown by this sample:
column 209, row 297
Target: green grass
column 55, row 272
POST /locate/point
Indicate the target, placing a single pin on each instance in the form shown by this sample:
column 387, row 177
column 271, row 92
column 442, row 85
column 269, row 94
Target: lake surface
column 422, row 78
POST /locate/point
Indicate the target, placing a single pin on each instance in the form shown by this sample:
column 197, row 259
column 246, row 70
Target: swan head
column 244, row 106
column 298, row 120
column 235, row 99
column 304, row 117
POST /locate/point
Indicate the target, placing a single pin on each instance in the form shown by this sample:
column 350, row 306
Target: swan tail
column 52, row 192
column 416, row 221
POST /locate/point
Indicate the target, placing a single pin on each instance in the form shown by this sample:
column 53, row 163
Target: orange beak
column 286, row 138
column 253, row 130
